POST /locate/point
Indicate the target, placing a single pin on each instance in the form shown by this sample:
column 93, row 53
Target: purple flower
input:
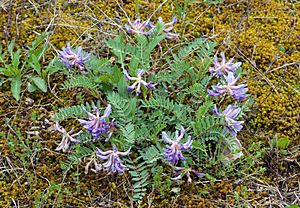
column 73, row 59
column 97, row 125
column 168, row 27
column 114, row 163
column 173, row 151
column 138, row 82
column 229, row 114
column 139, row 27
column 146, row 28
column 236, row 91
column 68, row 137
column 223, row 67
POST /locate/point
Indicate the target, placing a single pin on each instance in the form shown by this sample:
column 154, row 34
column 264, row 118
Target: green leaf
column 34, row 63
column 10, row 48
column 133, row 173
column 1, row 82
column 15, row 72
column 8, row 71
column 118, row 47
column 153, row 43
column 39, row 52
column 80, row 81
column 2, row 70
column 180, row 11
column 202, row 110
column 211, row 2
column 31, row 87
column 98, row 66
column 16, row 87
column 281, row 143
column 122, row 86
column 54, row 66
column 210, row 177
column 105, row 78
column 292, row 206
column 2, row 56
column 39, row 40
column 40, row 83
column 16, row 59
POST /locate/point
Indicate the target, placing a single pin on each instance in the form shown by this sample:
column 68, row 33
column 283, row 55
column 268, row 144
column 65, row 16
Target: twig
column 257, row 70
column 283, row 66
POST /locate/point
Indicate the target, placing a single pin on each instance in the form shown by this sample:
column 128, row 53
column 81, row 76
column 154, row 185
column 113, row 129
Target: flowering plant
column 229, row 86
column 139, row 27
column 230, row 113
column 181, row 95
column 173, row 152
column 223, row 67
column 97, row 125
column 147, row 28
column 114, row 163
column 67, row 138
column 138, row 82
column 73, row 59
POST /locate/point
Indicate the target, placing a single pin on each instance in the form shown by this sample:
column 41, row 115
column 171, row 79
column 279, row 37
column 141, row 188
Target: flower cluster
column 98, row 125
column 230, row 87
column 139, row 27
column 146, row 27
column 73, row 59
column 223, row 67
column 113, row 164
column 138, row 82
column 230, row 113
column 172, row 152
column 67, row 138
column 226, row 70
